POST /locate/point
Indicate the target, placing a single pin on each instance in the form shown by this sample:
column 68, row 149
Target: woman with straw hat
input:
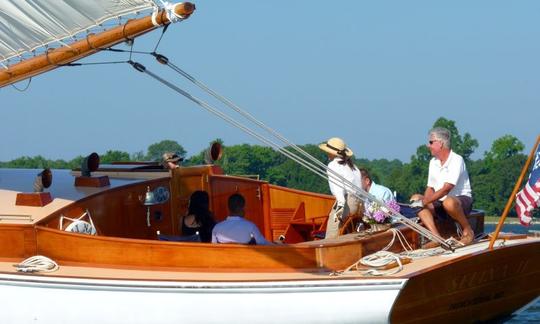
column 341, row 167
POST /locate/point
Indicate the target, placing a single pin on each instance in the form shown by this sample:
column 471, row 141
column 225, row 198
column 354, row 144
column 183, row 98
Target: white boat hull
column 39, row 299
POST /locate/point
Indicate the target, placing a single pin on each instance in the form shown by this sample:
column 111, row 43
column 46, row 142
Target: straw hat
column 336, row 146
column 171, row 157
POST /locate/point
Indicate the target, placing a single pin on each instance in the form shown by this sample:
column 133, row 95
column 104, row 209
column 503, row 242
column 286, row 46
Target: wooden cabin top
column 62, row 191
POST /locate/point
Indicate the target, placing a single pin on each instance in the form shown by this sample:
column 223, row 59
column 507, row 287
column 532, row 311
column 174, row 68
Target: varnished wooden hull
column 479, row 287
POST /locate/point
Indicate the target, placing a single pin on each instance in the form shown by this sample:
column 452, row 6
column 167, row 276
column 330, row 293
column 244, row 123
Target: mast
column 93, row 43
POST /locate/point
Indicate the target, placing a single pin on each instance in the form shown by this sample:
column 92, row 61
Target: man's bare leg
column 426, row 215
column 452, row 206
column 427, row 219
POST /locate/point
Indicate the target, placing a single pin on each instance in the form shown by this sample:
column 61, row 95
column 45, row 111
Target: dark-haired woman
column 199, row 218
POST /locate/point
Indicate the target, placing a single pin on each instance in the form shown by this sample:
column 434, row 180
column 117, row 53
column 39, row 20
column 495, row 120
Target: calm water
column 532, row 313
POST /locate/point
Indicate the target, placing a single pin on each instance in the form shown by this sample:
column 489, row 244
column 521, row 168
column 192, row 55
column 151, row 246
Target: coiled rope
column 37, row 263
column 383, row 258
column 377, row 260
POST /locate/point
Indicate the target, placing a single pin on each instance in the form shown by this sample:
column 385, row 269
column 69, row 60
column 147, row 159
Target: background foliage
column 492, row 177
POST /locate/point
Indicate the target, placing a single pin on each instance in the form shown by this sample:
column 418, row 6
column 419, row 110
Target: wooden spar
column 91, row 45
column 513, row 195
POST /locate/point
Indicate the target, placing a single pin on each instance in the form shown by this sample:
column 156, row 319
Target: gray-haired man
column 448, row 187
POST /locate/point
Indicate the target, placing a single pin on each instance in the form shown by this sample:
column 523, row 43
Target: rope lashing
column 170, row 12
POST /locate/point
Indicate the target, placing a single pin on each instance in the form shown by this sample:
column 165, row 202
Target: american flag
column 529, row 197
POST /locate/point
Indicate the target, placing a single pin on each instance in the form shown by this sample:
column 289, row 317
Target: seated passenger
column 236, row 229
column 448, row 187
column 171, row 160
column 380, row 192
column 199, row 218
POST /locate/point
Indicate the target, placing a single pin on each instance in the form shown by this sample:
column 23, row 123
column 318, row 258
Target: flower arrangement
column 375, row 213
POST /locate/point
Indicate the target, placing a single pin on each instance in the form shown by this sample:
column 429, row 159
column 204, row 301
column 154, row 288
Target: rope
column 38, row 263
column 381, row 258
column 384, row 257
column 378, row 260
column 424, row 253
column 402, row 240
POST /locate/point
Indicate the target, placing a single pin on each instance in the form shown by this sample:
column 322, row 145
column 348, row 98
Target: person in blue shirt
column 381, row 192
column 236, row 229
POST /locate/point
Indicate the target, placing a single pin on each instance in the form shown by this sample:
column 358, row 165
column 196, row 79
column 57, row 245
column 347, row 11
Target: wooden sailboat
column 113, row 268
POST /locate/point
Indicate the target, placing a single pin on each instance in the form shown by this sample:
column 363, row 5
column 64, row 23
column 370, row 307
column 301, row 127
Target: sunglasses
column 431, row 142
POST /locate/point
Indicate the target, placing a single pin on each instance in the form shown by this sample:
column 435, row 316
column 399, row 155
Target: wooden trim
column 94, row 181
column 297, row 191
column 81, row 201
column 35, row 199
column 17, row 241
column 237, row 178
column 480, row 286
column 267, row 211
column 69, row 247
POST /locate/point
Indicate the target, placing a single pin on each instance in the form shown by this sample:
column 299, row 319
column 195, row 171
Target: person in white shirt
column 347, row 204
column 236, row 229
column 448, row 188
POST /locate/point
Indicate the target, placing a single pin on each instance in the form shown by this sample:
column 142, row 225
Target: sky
column 376, row 73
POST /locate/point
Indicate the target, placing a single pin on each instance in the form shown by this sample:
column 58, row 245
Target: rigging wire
column 160, row 37
column 93, row 63
column 314, row 166
column 359, row 192
column 25, row 88
column 334, row 178
column 164, row 60
column 139, row 67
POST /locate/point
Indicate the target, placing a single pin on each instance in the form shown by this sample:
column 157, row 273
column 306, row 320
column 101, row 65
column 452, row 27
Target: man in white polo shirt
column 448, row 187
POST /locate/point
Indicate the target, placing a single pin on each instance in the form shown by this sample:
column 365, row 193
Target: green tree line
column 492, row 177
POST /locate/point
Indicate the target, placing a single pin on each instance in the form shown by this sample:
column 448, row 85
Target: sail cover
column 26, row 25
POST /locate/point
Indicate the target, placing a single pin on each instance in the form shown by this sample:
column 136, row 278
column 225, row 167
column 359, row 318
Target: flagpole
column 513, row 195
